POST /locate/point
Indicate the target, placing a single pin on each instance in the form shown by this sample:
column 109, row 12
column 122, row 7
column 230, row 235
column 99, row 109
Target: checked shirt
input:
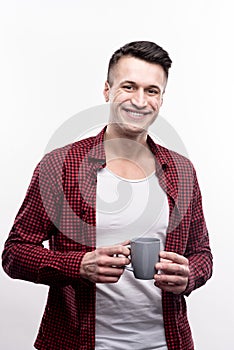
column 60, row 206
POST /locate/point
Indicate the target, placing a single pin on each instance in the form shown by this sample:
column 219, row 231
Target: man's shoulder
column 171, row 156
column 70, row 153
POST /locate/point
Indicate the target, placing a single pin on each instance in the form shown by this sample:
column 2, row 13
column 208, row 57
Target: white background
column 53, row 62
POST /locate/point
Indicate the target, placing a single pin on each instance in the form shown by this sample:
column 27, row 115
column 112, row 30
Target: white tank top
column 129, row 313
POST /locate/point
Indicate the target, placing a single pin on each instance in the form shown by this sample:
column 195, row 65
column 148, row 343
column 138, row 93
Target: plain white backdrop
column 53, row 62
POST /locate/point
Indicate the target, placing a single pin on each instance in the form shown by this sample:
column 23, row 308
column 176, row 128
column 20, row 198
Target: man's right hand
column 103, row 265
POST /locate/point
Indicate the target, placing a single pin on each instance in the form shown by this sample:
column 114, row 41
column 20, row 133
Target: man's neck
column 128, row 157
column 125, row 145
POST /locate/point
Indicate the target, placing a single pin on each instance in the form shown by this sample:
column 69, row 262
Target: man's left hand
column 174, row 272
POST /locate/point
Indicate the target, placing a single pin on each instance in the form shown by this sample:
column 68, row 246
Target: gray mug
column 144, row 256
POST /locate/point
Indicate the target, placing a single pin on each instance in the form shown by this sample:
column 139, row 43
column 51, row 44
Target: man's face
column 135, row 93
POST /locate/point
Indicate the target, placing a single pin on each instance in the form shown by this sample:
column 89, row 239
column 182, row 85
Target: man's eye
column 128, row 87
column 153, row 92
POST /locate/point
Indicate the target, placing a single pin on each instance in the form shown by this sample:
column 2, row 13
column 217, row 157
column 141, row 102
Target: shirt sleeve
column 198, row 247
column 24, row 256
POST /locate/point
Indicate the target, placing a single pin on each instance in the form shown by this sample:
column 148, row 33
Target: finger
column 104, row 270
column 110, row 271
column 106, row 260
column 171, row 280
column 112, row 250
column 173, row 269
column 166, row 261
column 127, row 242
column 174, row 257
column 99, row 274
column 175, row 289
column 106, row 279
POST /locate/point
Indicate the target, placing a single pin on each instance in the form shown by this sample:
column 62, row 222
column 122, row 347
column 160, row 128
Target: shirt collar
column 97, row 154
column 166, row 169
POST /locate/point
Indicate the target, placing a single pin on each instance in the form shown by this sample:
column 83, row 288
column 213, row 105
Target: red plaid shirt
column 60, row 206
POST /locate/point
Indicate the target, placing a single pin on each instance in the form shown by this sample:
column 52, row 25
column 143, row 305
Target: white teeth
column 135, row 114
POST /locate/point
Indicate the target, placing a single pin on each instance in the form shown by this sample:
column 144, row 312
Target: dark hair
column 145, row 50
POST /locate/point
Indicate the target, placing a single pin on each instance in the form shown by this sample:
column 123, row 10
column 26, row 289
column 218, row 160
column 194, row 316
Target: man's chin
column 134, row 129
column 129, row 128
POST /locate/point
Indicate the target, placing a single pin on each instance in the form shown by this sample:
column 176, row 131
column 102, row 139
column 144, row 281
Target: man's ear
column 162, row 98
column 161, row 101
column 106, row 91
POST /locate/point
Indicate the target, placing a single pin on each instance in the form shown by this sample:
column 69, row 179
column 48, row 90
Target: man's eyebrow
column 128, row 82
column 154, row 87
column 134, row 83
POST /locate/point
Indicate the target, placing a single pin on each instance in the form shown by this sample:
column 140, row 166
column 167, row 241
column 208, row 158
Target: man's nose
column 139, row 99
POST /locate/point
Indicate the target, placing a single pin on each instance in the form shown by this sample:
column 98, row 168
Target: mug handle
column 129, row 268
column 126, row 267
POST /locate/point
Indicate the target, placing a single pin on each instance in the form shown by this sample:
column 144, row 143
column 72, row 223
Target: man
column 88, row 197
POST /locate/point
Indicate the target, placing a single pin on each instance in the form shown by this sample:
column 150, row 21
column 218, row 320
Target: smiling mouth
column 136, row 114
